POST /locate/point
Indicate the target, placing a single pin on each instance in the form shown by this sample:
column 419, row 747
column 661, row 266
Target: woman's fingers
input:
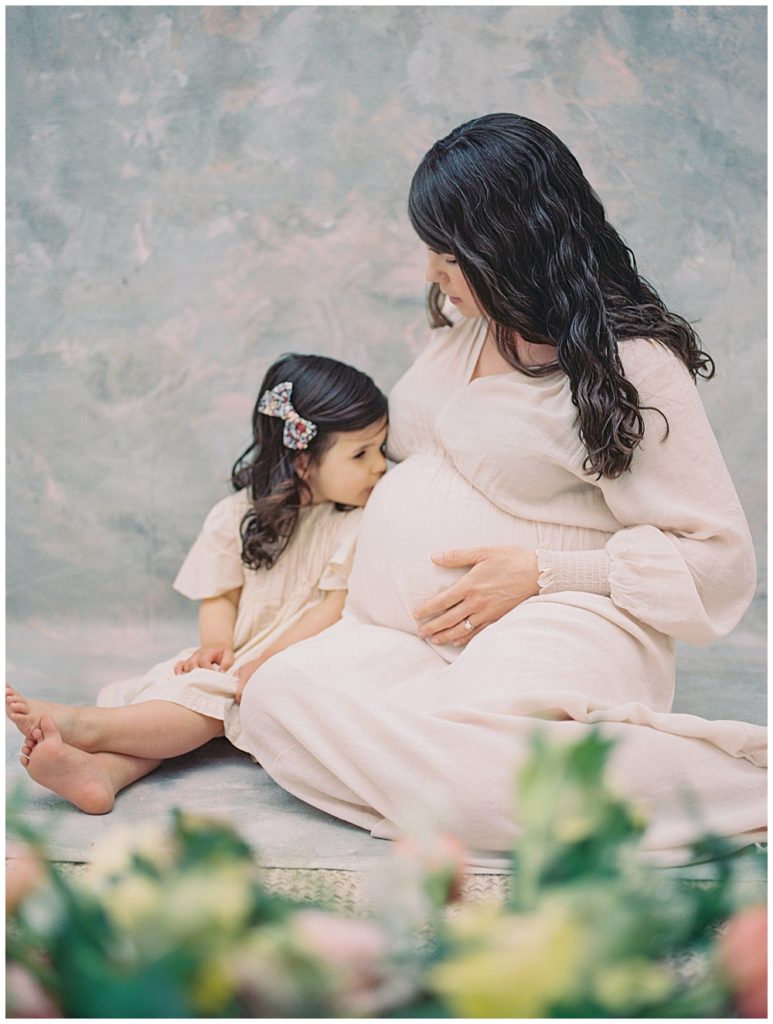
column 458, row 635
column 454, row 626
column 450, row 618
column 443, row 602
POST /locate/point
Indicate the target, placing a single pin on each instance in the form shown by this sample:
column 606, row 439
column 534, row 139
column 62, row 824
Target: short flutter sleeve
column 336, row 573
column 683, row 561
column 214, row 563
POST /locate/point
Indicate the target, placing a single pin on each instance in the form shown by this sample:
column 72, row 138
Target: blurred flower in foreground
column 440, row 859
column 318, row 962
column 508, row 965
column 177, row 923
column 24, row 872
column 743, row 955
column 25, row 996
column 590, row 927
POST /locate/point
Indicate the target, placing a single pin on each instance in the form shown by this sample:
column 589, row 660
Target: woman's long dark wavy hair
column 506, row 197
column 336, row 398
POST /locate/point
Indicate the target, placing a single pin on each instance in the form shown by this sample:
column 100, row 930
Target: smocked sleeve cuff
column 574, row 570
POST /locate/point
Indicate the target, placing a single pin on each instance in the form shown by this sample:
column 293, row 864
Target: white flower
column 217, row 898
column 132, row 899
column 112, row 856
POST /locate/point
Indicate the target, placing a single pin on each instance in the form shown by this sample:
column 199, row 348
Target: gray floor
column 68, row 662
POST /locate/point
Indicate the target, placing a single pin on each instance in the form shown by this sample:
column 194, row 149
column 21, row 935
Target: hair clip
column 298, row 433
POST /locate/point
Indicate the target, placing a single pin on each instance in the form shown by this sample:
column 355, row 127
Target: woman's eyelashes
column 447, row 257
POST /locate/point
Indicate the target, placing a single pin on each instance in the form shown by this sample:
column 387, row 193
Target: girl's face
column 443, row 270
column 350, row 468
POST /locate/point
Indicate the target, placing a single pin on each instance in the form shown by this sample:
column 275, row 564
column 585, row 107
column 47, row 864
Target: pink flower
column 356, row 953
column 25, row 997
column 23, row 873
column 442, row 857
column 743, row 953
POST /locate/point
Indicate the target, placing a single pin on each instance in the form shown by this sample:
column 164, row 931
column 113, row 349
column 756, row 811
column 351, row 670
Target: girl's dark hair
column 506, row 197
column 336, row 398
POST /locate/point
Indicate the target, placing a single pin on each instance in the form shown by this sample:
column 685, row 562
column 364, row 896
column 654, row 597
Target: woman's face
column 443, row 270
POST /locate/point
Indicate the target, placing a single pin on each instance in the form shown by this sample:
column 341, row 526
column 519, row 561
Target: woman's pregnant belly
column 421, row 507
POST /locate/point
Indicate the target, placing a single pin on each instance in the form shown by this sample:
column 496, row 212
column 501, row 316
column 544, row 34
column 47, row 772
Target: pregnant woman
column 560, row 514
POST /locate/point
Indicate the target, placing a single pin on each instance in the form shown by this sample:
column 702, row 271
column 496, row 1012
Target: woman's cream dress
column 317, row 558
column 378, row 727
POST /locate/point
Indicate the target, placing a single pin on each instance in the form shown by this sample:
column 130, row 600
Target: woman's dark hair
column 506, row 197
column 336, row 398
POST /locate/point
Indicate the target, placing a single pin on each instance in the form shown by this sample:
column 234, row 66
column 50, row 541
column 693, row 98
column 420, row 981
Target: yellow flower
column 632, row 984
column 573, row 828
column 527, row 964
column 212, row 988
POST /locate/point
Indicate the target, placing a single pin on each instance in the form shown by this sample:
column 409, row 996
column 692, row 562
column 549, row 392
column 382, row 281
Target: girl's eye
column 451, row 261
column 359, row 455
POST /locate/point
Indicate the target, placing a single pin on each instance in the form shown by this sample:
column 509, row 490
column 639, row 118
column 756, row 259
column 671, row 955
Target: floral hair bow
column 298, row 433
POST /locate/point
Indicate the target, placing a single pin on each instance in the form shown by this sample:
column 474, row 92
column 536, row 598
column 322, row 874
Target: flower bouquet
column 177, row 922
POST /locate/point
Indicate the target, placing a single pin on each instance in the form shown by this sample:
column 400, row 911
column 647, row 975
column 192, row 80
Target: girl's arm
column 322, row 615
column 217, row 617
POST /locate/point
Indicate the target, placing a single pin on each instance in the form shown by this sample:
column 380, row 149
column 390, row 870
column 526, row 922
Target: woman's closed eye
column 447, row 257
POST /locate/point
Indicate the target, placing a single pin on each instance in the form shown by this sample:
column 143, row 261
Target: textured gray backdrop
column 192, row 191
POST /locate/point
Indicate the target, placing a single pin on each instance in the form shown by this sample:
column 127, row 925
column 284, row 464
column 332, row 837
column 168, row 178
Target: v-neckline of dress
column 478, row 341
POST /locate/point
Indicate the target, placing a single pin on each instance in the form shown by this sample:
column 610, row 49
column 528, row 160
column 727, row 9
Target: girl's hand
column 243, row 674
column 500, row 579
column 216, row 657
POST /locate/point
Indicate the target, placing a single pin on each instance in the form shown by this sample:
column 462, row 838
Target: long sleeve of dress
column 683, row 561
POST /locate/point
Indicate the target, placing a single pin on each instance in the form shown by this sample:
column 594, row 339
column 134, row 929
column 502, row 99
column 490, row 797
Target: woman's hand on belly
column 499, row 580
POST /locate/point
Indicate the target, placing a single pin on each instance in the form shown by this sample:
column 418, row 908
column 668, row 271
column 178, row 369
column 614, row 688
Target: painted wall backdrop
column 192, row 191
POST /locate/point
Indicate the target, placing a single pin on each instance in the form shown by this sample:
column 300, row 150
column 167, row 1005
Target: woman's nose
column 434, row 274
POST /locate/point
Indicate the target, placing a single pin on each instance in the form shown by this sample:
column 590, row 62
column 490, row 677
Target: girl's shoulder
column 327, row 518
column 228, row 510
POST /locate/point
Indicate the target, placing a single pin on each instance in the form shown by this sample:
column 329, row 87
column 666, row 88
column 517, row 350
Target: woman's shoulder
column 652, row 362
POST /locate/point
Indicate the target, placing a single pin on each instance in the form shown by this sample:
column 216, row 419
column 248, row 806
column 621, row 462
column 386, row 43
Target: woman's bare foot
column 26, row 715
column 67, row 771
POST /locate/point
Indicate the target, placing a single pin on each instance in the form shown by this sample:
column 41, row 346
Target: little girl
column 270, row 568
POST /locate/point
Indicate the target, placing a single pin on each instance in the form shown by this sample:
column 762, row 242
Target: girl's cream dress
column 317, row 559
column 380, row 728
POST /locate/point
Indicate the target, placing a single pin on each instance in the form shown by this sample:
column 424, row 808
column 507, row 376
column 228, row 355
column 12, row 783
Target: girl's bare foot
column 30, row 743
column 67, row 771
column 26, row 714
